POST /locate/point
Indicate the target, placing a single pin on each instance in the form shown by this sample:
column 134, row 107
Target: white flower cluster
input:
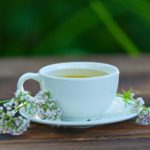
column 11, row 121
column 138, row 107
column 144, row 117
column 44, row 106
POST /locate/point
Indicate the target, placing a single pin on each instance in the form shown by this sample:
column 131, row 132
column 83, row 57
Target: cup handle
column 25, row 77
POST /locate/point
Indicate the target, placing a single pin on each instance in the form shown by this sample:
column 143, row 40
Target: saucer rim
column 97, row 122
column 83, row 123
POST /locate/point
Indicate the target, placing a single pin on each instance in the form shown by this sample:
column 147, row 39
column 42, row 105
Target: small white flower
column 8, row 108
column 5, row 105
column 140, row 101
column 10, row 103
column 20, row 117
column 39, row 100
column 1, row 108
column 18, row 93
column 2, row 114
column 51, row 104
column 132, row 95
column 11, row 113
column 45, row 97
column 29, row 98
column 17, row 122
column 26, row 93
column 24, row 97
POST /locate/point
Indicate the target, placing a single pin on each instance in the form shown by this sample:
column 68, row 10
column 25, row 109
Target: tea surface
column 78, row 73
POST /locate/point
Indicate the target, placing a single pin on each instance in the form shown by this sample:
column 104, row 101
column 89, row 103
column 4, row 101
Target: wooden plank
column 15, row 67
column 95, row 145
column 120, row 131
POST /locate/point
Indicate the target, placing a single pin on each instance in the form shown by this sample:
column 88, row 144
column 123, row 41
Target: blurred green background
column 49, row 28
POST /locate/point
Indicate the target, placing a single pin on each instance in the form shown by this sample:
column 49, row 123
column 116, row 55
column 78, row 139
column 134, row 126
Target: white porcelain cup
column 79, row 98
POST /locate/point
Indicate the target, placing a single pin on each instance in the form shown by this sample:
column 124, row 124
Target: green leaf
column 139, row 7
column 114, row 28
column 127, row 96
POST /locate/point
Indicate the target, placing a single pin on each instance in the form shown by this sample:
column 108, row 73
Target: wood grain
column 135, row 73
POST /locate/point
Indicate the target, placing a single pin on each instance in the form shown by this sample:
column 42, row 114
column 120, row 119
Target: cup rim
column 43, row 71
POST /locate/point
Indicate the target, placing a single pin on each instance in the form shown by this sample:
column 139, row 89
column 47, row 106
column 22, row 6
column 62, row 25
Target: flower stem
column 4, row 101
column 20, row 106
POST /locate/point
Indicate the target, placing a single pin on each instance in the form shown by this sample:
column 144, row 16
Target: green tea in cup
column 78, row 73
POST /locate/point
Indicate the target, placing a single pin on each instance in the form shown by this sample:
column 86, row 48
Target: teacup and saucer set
column 85, row 92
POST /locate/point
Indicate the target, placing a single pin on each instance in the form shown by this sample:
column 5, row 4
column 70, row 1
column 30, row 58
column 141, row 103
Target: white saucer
column 117, row 112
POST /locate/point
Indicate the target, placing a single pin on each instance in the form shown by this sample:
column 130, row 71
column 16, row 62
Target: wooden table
column 135, row 74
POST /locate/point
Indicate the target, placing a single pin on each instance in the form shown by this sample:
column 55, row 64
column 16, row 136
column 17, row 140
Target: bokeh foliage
column 43, row 28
